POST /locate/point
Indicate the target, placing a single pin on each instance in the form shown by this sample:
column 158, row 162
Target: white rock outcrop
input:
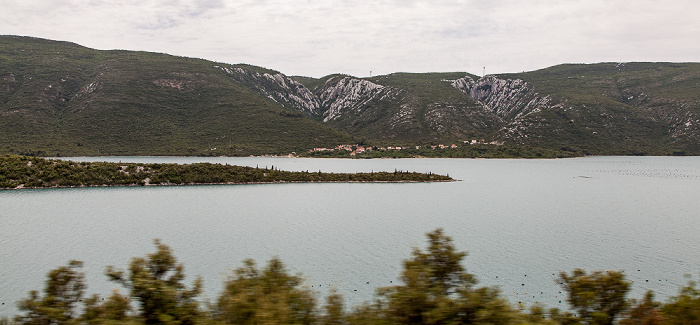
column 341, row 94
column 508, row 98
column 278, row 88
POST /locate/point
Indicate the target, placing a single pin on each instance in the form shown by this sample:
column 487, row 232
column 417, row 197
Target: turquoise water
column 520, row 220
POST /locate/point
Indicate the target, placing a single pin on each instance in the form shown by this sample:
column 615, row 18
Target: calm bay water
column 522, row 222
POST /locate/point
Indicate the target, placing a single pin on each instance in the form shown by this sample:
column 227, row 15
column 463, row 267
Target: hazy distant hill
column 62, row 98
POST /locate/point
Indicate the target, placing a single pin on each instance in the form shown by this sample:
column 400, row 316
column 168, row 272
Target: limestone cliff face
column 338, row 96
column 343, row 94
column 278, row 88
column 505, row 109
column 507, row 98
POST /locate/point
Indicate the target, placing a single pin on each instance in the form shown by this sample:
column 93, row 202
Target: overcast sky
column 319, row 37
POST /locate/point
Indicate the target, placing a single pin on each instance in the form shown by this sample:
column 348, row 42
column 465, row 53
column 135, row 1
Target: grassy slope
column 445, row 114
column 618, row 109
column 607, row 108
column 59, row 98
column 635, row 108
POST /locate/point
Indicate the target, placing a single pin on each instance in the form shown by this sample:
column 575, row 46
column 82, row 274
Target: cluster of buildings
column 356, row 148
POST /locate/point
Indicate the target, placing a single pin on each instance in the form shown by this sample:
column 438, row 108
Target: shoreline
column 223, row 184
column 363, row 158
column 21, row 172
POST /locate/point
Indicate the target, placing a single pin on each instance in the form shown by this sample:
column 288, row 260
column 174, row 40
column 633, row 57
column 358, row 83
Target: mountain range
column 63, row 99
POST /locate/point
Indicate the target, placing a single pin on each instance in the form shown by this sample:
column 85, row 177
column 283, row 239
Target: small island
column 17, row 172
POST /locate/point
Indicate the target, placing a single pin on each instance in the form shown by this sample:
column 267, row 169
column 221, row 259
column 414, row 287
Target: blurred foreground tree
column 684, row 308
column 115, row 308
column 597, row 297
column 156, row 282
column 268, row 296
column 64, row 289
column 335, row 310
column 644, row 312
column 437, row 289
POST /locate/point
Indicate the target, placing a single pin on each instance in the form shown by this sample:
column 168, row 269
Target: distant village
column 356, row 148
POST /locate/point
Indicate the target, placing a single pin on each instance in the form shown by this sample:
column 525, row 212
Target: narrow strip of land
column 17, row 172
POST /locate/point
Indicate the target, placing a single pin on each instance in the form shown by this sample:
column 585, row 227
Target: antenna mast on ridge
column 483, row 74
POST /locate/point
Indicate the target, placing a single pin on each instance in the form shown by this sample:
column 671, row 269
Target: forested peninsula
column 18, row 172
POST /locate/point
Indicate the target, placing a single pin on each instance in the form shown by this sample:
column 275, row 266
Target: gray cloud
column 319, row 37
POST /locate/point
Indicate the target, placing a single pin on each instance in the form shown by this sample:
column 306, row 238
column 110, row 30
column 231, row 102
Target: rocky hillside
column 59, row 98
column 279, row 88
column 615, row 108
column 507, row 98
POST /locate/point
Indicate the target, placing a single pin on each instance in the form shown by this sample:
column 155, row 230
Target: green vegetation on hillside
column 423, row 108
column 316, row 83
column 62, row 99
column 619, row 108
column 32, row 172
column 461, row 151
column 434, row 288
column 426, row 86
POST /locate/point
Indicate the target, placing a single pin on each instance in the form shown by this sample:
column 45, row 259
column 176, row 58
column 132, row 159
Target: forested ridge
column 433, row 288
column 63, row 99
column 33, row 172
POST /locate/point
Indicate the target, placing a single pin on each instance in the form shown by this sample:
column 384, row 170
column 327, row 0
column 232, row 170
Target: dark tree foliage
column 436, row 289
column 684, row 308
column 267, row 296
column 644, row 312
column 156, row 282
column 598, row 297
column 32, row 172
column 64, row 289
column 334, row 310
column 97, row 311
